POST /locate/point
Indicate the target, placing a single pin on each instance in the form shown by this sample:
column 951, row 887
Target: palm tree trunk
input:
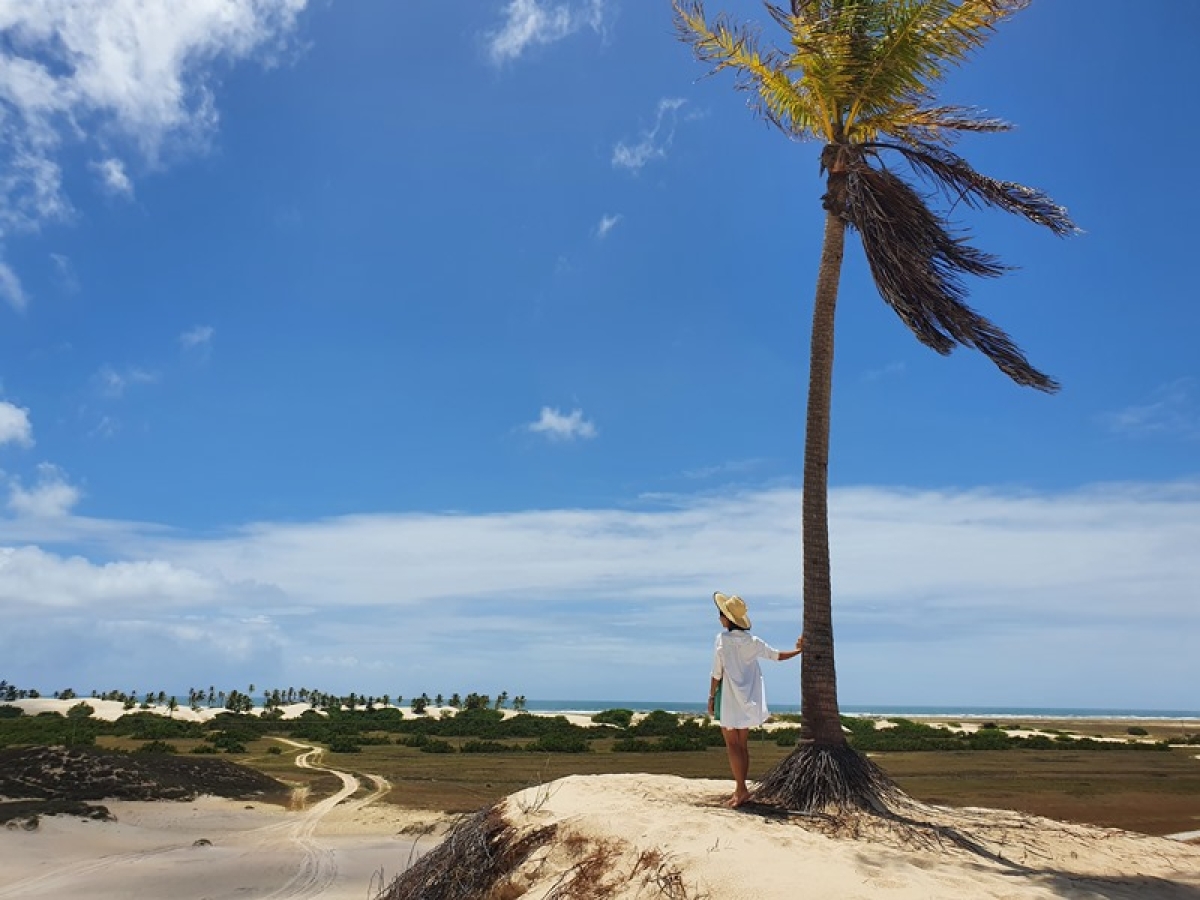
column 818, row 676
column 824, row 772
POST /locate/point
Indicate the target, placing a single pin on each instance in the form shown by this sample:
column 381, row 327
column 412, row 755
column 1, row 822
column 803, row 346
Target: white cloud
column 1173, row 410
column 559, row 427
column 654, row 142
column 113, row 177
column 200, row 336
column 1077, row 598
column 10, row 288
column 528, row 23
column 50, row 498
column 112, row 384
column 606, row 224
column 14, row 425
column 112, row 73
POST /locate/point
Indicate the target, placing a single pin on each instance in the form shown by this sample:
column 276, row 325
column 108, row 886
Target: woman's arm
column 713, row 684
column 788, row 654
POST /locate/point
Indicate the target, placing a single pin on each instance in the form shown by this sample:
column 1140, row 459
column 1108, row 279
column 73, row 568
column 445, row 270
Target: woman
column 736, row 696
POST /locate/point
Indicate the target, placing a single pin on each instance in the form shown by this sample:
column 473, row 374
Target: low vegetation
column 462, row 762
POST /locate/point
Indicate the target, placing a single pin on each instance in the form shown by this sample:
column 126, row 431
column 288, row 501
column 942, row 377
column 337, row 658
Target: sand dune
column 634, row 837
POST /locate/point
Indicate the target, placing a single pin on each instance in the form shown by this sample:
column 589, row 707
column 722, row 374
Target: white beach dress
column 735, row 665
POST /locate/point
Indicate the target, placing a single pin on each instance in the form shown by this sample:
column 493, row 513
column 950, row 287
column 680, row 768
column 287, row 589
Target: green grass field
column 1151, row 792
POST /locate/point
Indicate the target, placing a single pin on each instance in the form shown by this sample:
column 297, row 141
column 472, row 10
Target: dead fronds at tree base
column 486, row 858
column 476, row 861
column 816, row 778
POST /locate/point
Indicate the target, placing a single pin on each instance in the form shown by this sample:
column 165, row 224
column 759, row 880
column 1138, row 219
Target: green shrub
column 632, row 745
column 157, row 747
column 560, row 742
column 476, row 746
column 676, row 743
column 436, row 746
column 1137, row 730
column 202, row 749
column 8, row 711
column 656, row 724
column 619, row 717
column 1037, row 742
column 344, row 745
column 989, row 739
column 275, row 751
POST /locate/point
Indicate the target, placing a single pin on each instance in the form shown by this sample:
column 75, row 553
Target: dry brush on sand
column 637, row 837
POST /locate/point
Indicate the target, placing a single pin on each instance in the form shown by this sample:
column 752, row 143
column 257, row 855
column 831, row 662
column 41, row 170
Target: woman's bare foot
column 739, row 798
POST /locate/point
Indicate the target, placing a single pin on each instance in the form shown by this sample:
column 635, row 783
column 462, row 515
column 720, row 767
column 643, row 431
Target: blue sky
column 395, row 347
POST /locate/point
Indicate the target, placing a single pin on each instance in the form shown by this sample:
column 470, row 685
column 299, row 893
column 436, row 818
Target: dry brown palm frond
column 918, row 266
column 954, row 175
column 474, row 861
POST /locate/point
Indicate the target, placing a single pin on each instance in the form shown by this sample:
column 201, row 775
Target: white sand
column 682, row 835
column 111, row 710
column 256, row 851
column 335, row 849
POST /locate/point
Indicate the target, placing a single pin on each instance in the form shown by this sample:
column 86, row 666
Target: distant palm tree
column 858, row 75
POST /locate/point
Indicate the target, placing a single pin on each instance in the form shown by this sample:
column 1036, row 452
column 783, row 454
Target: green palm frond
column 912, row 45
column 917, row 125
column 918, row 267
column 852, row 66
column 792, row 105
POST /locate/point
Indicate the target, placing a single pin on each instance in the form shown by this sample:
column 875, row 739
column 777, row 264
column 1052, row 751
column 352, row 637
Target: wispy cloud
column 10, row 287
column 529, row 23
column 113, row 178
column 52, row 496
column 733, row 467
column 1172, row 410
column 654, row 142
column 883, row 373
column 559, row 427
column 64, row 272
column 136, row 73
column 113, row 384
column 197, row 337
column 14, row 425
column 606, row 224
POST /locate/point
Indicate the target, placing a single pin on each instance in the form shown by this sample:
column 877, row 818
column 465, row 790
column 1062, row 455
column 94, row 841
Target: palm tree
column 858, row 76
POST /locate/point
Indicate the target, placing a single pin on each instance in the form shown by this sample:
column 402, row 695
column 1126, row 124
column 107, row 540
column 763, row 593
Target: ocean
column 587, row 707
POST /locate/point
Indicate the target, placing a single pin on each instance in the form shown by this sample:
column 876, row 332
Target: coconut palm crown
column 858, row 75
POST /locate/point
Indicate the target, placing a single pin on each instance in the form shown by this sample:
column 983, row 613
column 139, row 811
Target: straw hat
column 734, row 609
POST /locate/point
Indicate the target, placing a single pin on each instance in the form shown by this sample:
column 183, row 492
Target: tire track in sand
column 318, row 866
